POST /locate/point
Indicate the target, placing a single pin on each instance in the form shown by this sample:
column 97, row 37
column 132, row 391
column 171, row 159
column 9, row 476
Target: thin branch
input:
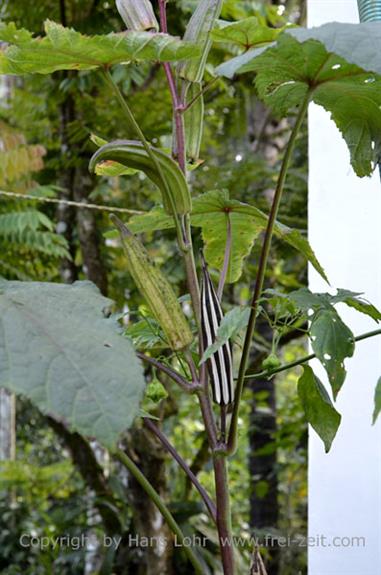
column 306, row 358
column 208, row 417
column 176, row 101
column 133, row 125
column 185, row 107
column 157, row 500
column 225, row 266
column 169, row 447
column 176, row 377
column 191, row 364
column 232, row 443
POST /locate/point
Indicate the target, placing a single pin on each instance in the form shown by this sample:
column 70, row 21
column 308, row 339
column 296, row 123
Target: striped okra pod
column 220, row 363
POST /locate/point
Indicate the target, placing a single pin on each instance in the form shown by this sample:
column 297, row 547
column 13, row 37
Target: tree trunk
column 88, row 234
column 7, row 425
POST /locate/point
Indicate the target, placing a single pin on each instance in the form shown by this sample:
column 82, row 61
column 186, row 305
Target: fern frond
column 32, row 230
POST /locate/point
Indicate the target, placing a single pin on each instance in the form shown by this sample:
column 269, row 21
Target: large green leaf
column 358, row 44
column 318, row 407
column 65, row 49
column 210, row 212
column 58, row 349
column 9, row 33
column 312, row 62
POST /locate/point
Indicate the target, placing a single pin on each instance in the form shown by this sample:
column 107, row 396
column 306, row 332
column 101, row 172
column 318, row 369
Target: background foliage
column 46, row 123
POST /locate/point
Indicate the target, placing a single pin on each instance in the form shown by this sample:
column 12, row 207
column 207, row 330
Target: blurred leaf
column 318, row 407
column 156, row 391
column 111, row 169
column 146, row 334
column 65, row 49
column 9, row 33
column 377, row 401
column 60, row 351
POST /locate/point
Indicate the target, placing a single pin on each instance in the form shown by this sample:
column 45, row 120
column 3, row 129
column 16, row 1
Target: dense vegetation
column 64, row 480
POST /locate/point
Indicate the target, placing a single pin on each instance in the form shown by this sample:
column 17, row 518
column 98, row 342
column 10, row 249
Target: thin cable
column 68, row 203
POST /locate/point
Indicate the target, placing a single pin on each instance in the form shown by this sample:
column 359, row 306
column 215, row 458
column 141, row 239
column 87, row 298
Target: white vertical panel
column 345, row 231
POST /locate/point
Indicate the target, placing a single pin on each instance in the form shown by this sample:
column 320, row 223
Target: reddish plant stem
column 205, row 88
column 220, row 470
column 223, row 514
column 176, row 100
column 169, row 447
column 176, row 377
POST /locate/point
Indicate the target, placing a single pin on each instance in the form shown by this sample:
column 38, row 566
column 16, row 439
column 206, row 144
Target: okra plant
column 61, row 349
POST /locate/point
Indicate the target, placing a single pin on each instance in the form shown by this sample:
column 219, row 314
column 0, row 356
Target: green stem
column 157, row 500
column 306, row 358
column 134, row 126
column 232, row 443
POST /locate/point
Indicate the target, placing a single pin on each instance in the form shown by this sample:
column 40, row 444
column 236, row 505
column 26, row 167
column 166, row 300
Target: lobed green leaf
column 210, row 212
column 337, row 66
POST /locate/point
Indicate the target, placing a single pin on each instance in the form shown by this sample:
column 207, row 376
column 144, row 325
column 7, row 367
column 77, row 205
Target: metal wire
column 82, row 205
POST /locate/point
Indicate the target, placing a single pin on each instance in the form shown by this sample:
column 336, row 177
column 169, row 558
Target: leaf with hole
column 317, row 406
column 332, row 342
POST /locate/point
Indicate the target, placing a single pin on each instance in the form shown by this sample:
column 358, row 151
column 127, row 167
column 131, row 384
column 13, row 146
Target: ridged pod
column 220, row 363
column 137, row 14
column 132, row 154
column 194, row 121
column 155, row 289
column 198, row 31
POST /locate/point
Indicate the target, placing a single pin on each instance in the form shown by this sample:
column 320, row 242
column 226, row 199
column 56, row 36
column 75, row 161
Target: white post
column 344, row 230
